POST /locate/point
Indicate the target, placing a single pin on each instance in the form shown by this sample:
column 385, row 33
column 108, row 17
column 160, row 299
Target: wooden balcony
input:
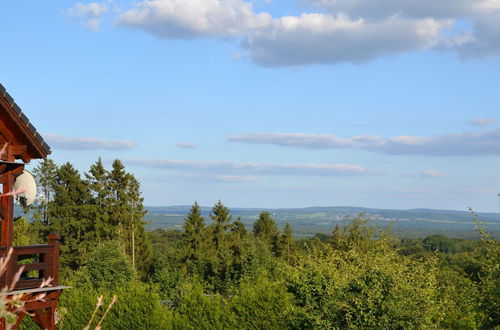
column 40, row 263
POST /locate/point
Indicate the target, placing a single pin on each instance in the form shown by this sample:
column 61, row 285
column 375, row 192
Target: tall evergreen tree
column 193, row 236
column 119, row 201
column 126, row 214
column 219, row 254
column 239, row 228
column 221, row 217
column 285, row 242
column 69, row 215
column 265, row 229
column 97, row 180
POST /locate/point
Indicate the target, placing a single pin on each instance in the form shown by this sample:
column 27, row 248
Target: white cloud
column 408, row 8
column 288, row 40
column 86, row 143
column 235, row 178
column 186, row 145
column 189, row 19
column 197, row 177
column 323, row 38
column 482, row 121
column 89, row 14
column 431, row 174
column 352, row 31
column 230, row 169
column 463, row 144
column 482, row 41
column 312, row 141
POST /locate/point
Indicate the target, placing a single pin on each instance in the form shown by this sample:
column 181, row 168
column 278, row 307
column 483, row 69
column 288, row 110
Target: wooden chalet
column 20, row 143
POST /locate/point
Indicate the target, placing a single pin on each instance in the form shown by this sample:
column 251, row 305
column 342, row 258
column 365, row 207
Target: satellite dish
column 25, row 181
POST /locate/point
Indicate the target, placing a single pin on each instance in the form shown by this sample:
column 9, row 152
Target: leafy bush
column 370, row 289
column 138, row 307
column 107, row 267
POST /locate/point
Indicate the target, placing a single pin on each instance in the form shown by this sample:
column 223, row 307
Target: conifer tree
column 265, row 229
column 126, row 214
column 221, row 217
column 119, row 203
column 121, row 208
column 194, row 225
column 194, row 231
column 70, row 214
column 97, row 180
column 219, row 261
column 285, row 242
column 336, row 238
column 239, row 228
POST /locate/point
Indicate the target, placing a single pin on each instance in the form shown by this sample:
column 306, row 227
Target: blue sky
column 380, row 103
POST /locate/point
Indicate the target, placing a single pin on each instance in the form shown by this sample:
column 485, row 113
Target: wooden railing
column 40, row 263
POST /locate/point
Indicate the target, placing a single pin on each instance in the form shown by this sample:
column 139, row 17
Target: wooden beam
column 18, row 131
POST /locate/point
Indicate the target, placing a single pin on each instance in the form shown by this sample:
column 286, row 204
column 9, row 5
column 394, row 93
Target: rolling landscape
column 309, row 221
column 352, row 135
column 306, row 222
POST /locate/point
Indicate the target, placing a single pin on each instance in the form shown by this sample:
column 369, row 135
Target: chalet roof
column 36, row 141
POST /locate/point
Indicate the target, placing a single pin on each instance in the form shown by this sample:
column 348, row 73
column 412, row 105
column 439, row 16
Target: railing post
column 54, row 240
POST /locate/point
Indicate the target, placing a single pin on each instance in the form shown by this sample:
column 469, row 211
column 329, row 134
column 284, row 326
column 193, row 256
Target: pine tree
column 119, row 210
column 70, row 214
column 239, row 228
column 194, row 225
column 98, row 182
column 194, row 231
column 221, row 218
column 265, row 229
column 219, row 256
column 126, row 212
column 285, row 242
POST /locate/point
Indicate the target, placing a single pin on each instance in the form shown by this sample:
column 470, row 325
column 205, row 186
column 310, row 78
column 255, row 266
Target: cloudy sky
column 266, row 103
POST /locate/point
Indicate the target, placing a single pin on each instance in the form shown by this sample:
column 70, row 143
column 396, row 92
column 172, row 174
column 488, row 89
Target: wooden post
column 55, row 241
column 8, row 210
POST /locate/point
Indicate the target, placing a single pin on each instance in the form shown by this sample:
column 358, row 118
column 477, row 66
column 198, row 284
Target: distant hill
column 311, row 220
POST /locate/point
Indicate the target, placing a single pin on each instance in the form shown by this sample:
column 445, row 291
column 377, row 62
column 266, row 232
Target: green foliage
column 197, row 310
column 460, row 299
column 284, row 246
column 23, row 233
column 489, row 254
column 166, row 245
column 262, row 304
column 45, row 174
column 69, row 216
column 216, row 275
column 352, row 289
column 107, row 267
column 138, row 307
column 265, row 229
column 440, row 243
column 105, row 206
column 194, row 236
column 239, row 228
column 221, row 218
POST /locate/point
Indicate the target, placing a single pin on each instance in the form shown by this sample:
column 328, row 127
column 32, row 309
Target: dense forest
column 218, row 273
